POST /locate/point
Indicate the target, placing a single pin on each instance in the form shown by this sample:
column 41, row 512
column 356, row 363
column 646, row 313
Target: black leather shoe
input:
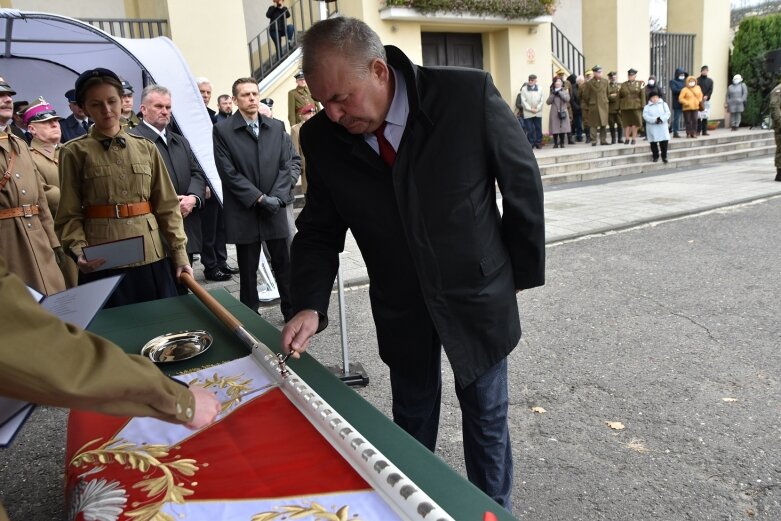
column 216, row 275
column 225, row 268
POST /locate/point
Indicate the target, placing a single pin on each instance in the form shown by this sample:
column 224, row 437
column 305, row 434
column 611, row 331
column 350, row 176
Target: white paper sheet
column 79, row 305
column 9, row 429
column 117, row 253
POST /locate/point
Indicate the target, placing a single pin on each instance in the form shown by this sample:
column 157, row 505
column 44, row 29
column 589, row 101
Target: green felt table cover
column 133, row 326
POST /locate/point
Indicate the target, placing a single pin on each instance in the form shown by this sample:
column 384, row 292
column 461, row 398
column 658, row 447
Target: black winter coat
column 435, row 245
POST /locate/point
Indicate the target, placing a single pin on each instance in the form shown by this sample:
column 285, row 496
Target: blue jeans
column 276, row 37
column 484, row 404
column 534, row 125
column 677, row 115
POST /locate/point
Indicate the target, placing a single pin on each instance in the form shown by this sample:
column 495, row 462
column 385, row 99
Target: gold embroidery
column 316, row 510
column 234, row 387
column 148, row 459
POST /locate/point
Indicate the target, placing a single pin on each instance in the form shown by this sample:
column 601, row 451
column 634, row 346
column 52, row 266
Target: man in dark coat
column 77, row 123
column 706, row 86
column 185, row 172
column 676, row 86
column 384, row 161
column 253, row 159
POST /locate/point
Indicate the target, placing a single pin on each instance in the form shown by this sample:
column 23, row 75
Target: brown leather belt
column 117, row 211
column 26, row 210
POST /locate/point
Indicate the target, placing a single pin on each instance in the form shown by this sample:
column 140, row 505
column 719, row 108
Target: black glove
column 270, row 203
column 60, row 256
column 658, row 120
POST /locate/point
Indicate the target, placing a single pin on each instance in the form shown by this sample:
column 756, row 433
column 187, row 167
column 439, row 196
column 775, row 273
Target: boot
column 561, row 140
column 675, row 134
column 570, row 141
column 588, row 135
column 619, row 133
column 704, row 127
column 555, row 141
column 778, row 174
column 612, row 136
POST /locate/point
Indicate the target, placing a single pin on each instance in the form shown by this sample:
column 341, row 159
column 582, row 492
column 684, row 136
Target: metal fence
column 668, row 52
column 130, row 27
column 268, row 49
column 566, row 52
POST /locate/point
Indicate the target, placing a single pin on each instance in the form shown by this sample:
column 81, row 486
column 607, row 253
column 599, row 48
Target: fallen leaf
column 539, row 410
column 615, row 425
column 637, row 445
column 729, row 399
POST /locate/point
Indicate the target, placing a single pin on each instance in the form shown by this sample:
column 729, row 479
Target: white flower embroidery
column 100, row 500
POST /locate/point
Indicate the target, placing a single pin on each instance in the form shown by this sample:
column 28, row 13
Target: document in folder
column 117, row 253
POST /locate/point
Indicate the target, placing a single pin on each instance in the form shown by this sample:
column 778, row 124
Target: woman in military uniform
column 42, row 122
column 27, row 238
column 115, row 186
column 632, row 101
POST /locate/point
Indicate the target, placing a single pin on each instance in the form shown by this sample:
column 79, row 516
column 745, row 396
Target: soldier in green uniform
column 299, row 98
column 595, row 98
column 129, row 118
column 614, row 112
column 582, row 86
column 775, row 114
column 115, row 186
column 632, row 101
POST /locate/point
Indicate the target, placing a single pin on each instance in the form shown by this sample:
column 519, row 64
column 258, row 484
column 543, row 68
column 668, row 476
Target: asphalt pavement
column 668, row 328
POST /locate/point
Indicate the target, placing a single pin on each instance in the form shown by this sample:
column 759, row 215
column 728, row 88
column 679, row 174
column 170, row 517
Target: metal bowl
column 175, row 347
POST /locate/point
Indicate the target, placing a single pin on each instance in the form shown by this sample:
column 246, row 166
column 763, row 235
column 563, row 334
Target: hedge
column 510, row 9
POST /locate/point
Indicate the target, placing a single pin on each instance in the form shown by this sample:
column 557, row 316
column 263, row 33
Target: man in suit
column 205, row 88
column 185, row 172
column 77, row 123
column 383, row 161
column 225, row 106
column 253, row 159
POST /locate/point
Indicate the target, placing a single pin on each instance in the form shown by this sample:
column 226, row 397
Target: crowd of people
column 590, row 107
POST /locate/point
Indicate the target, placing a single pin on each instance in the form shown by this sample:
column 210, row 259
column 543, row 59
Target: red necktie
column 387, row 153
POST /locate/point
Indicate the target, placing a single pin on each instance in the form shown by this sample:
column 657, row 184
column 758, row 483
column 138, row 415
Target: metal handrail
column 131, row 27
column 566, row 52
column 262, row 55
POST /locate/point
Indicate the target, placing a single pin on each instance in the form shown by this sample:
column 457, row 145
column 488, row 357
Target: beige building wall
column 616, row 35
column 214, row 44
column 569, row 19
column 72, row 8
column 709, row 20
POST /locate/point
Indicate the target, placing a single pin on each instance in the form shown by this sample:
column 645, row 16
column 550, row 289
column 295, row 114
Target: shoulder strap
column 7, row 174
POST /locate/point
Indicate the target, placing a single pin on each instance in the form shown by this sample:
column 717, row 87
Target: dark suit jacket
column 185, row 173
column 436, row 248
column 250, row 167
column 71, row 128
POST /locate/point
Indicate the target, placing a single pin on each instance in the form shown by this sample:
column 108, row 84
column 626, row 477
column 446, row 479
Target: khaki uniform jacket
column 775, row 107
column 131, row 122
column 632, row 95
column 47, row 159
column 91, row 175
column 297, row 99
column 595, row 98
column 27, row 243
column 295, row 137
column 68, row 367
column 612, row 97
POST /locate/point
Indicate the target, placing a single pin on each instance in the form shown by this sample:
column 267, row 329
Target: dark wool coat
column 436, row 248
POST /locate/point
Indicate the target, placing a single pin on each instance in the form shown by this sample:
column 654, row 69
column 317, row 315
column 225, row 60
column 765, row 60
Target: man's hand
column 270, row 203
column 186, row 204
column 207, row 407
column 298, row 332
column 86, row 266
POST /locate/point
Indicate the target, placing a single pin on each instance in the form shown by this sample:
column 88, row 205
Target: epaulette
column 137, row 136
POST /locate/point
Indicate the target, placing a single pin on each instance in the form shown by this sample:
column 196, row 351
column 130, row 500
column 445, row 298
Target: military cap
column 5, row 88
column 612, row 74
column 92, row 73
column 630, row 72
column 589, row 74
column 306, row 109
column 20, row 106
column 596, row 68
column 71, row 96
column 127, row 88
column 39, row 111
column 268, row 101
column 561, row 72
column 299, row 75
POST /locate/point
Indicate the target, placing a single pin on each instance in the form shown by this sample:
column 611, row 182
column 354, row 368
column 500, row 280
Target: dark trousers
column 690, row 119
column 577, row 125
column 248, row 257
column 484, row 403
column 676, row 126
column 213, row 250
column 276, row 37
column 534, row 127
column 655, row 149
column 702, row 126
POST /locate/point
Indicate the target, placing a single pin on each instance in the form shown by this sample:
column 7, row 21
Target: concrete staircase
column 582, row 162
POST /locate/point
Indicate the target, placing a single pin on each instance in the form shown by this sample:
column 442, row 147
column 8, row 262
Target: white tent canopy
column 45, row 53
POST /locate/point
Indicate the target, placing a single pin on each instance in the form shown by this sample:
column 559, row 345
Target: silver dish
column 175, row 347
